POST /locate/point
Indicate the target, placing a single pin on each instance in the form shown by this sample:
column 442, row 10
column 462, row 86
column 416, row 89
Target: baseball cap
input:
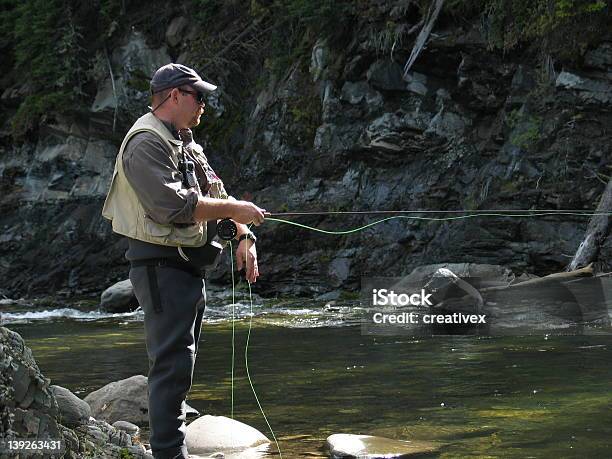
column 175, row 75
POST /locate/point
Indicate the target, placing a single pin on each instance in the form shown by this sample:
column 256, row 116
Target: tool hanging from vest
column 227, row 230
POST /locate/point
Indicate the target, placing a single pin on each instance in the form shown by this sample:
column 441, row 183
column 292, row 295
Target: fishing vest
column 125, row 211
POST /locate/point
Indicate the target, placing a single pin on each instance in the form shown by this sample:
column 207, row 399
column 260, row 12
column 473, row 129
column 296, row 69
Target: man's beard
column 194, row 121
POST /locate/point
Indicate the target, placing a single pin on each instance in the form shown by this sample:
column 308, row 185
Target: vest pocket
column 191, row 231
column 155, row 229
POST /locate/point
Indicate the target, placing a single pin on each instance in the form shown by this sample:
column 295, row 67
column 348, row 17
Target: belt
column 168, row 262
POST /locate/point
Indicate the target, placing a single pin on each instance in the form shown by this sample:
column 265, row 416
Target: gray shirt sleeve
column 156, row 181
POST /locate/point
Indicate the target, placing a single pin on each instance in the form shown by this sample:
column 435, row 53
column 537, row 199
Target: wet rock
column 124, row 400
column 371, row 447
column 446, row 285
column 210, row 434
column 119, row 297
column 73, row 410
column 387, row 75
column 488, row 275
column 588, row 89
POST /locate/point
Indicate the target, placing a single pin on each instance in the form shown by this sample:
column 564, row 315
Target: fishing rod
column 427, row 211
column 227, row 229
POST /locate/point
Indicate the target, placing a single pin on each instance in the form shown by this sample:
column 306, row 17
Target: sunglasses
column 198, row 96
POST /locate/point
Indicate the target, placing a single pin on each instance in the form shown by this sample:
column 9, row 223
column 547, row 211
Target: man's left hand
column 246, row 253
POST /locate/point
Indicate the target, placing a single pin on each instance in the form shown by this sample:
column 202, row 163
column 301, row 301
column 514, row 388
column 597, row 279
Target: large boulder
column 210, row 434
column 124, row 400
column 488, row 275
column 370, row 447
column 119, row 297
column 73, row 410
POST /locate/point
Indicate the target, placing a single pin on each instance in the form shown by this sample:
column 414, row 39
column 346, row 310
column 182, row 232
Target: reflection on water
column 514, row 397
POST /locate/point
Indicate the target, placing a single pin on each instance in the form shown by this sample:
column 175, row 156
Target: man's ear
column 174, row 95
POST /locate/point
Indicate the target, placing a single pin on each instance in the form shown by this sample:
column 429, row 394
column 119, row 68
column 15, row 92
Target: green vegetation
column 47, row 48
column 525, row 129
column 306, row 117
column 125, row 454
column 562, row 28
column 44, row 42
column 297, row 25
column 220, row 130
column 55, row 50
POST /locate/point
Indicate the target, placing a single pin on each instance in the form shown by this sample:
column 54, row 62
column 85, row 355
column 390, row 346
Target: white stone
column 370, row 447
column 209, row 434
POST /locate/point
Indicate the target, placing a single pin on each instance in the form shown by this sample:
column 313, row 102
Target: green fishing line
column 352, row 231
column 437, row 219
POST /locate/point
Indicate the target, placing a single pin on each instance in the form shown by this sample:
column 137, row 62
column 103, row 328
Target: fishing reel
column 227, row 229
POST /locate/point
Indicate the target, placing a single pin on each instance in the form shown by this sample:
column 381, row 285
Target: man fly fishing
column 166, row 199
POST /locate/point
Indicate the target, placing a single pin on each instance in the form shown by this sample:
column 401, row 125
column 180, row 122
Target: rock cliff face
column 343, row 129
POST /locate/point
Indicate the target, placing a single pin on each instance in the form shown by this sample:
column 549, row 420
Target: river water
column 316, row 374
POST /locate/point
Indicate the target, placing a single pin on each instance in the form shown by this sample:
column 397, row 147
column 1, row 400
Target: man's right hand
column 247, row 212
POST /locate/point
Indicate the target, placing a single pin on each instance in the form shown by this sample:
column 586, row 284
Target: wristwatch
column 248, row 235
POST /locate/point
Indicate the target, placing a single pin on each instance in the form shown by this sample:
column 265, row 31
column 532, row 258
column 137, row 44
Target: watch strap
column 248, row 235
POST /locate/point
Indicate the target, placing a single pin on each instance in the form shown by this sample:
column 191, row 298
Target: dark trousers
column 173, row 319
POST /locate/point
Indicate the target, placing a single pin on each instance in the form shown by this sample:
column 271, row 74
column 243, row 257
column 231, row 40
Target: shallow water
column 515, row 397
